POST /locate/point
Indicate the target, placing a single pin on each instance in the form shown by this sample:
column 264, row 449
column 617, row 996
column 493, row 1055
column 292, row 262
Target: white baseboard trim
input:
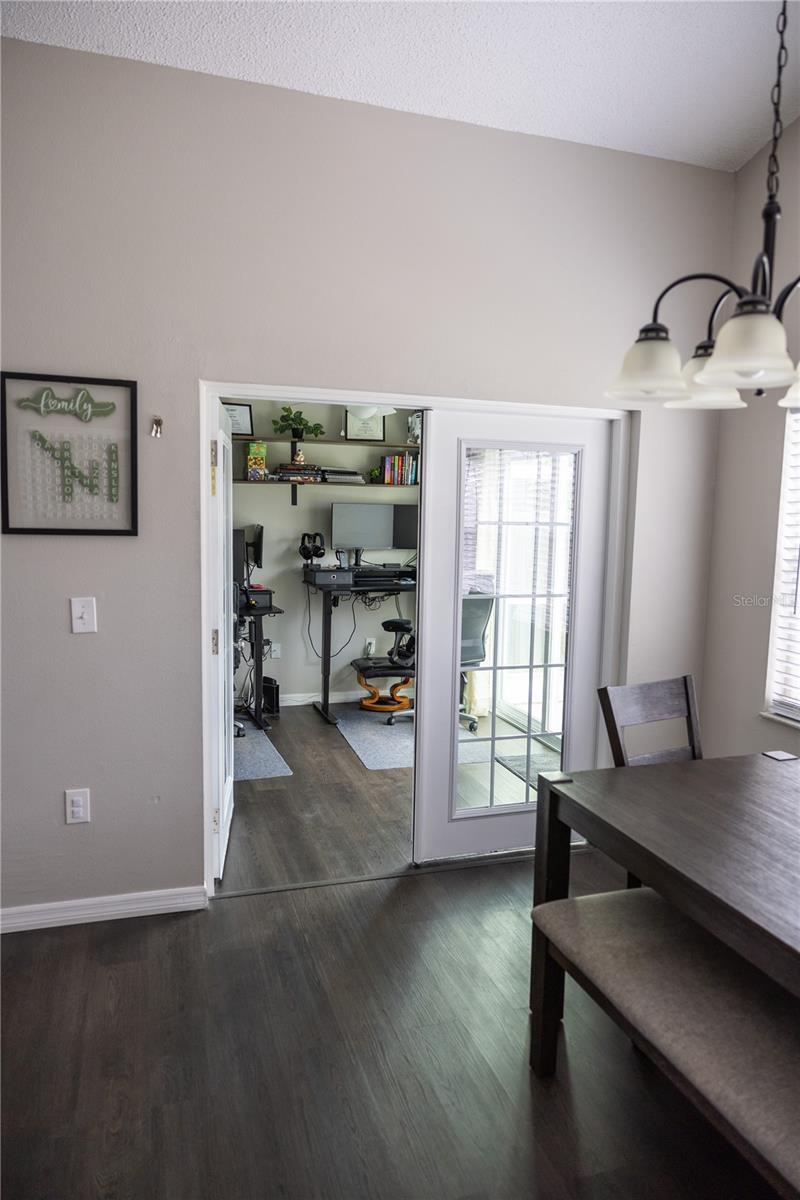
column 296, row 698
column 102, row 908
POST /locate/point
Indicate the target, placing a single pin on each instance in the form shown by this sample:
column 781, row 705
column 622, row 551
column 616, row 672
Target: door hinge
column 215, row 641
column 214, row 467
column 215, row 821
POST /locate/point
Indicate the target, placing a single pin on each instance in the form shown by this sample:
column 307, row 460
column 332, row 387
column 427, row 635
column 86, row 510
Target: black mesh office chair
column 475, row 613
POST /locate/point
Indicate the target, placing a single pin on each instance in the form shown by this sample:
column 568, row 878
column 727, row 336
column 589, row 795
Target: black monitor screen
column 406, row 519
column 239, row 555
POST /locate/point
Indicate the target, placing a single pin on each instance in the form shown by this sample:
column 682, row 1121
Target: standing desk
column 255, row 613
column 331, row 594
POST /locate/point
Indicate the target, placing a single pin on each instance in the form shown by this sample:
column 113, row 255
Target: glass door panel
column 518, row 503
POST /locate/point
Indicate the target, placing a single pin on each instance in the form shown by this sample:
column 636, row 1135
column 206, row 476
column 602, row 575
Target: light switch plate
column 83, row 610
column 77, row 806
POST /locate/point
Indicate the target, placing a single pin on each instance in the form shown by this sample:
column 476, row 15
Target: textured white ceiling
column 681, row 80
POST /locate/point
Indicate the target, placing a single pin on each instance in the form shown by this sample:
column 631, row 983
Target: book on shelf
column 400, row 470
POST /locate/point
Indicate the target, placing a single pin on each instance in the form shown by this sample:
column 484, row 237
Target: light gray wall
column 298, row 669
column 169, row 226
column 747, row 497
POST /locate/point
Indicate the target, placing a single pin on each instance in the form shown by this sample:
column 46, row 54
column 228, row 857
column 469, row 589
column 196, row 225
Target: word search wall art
column 69, row 454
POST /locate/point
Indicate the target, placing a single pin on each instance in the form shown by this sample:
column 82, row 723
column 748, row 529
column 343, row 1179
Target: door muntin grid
column 516, row 535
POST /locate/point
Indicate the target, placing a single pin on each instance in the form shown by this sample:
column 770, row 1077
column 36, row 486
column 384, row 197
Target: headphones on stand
column 312, row 545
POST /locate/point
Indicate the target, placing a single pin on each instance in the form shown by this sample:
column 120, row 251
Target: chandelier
column 749, row 352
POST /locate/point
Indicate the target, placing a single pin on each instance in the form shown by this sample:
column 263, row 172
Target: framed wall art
column 369, row 428
column 241, row 416
column 68, row 454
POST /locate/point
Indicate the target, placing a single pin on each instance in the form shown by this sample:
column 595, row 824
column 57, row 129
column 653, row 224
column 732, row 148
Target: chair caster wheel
column 473, row 726
column 390, row 720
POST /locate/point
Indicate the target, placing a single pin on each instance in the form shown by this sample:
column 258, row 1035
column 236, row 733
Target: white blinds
column 783, row 685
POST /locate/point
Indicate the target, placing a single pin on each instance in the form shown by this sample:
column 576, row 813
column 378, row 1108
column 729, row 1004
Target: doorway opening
column 324, row 518
column 440, row 586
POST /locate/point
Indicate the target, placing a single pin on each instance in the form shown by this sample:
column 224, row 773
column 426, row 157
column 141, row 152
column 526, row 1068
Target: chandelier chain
column 773, row 169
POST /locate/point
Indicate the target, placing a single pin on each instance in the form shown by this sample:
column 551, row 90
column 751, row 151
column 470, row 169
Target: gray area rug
column 542, row 760
column 255, row 757
column 382, row 747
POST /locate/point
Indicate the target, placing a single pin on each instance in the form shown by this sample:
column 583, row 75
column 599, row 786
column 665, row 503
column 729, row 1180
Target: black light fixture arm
column 780, row 303
column 729, row 284
column 712, row 320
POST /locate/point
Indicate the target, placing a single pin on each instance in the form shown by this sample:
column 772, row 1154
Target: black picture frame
column 132, row 528
column 229, row 404
column 359, row 437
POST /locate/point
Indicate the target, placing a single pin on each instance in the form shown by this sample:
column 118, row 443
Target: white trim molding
column 102, row 908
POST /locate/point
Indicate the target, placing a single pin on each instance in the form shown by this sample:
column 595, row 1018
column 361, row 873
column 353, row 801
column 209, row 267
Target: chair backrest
column 643, row 703
column 475, row 614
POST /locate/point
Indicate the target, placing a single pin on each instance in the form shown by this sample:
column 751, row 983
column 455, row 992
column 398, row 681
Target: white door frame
column 618, row 565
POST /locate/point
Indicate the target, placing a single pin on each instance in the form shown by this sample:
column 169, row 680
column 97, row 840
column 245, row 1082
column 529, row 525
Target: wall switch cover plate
column 83, row 611
column 76, row 805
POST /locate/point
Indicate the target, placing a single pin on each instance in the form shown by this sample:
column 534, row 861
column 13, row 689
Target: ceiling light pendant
column 651, row 369
column 792, row 397
column 750, row 350
column 704, row 397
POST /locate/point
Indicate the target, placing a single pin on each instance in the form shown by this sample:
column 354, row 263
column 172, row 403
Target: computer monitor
column 239, row 557
column 362, row 526
column 254, row 536
column 406, row 520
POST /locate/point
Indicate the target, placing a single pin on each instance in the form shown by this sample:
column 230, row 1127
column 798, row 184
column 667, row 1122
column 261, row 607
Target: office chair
column 399, row 661
column 475, row 614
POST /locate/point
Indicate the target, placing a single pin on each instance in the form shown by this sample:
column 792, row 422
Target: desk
column 331, row 594
column 256, row 613
column 718, row 838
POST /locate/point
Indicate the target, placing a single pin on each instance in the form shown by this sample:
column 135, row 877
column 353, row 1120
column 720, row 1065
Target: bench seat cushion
column 726, row 1027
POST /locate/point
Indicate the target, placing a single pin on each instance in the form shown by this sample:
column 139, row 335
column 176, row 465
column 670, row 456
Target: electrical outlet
column 83, row 610
column 369, row 647
column 76, row 804
column 275, row 652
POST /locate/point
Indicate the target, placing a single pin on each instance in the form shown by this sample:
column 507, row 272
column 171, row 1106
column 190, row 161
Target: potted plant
column 292, row 421
column 375, row 474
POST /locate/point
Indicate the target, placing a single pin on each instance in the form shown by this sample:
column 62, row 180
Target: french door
column 515, row 516
column 222, row 647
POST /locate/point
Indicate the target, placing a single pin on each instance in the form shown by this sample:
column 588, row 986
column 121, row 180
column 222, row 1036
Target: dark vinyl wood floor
column 359, row 1042
column 331, row 819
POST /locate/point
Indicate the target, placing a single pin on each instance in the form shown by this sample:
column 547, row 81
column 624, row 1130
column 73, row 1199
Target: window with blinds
column 783, row 683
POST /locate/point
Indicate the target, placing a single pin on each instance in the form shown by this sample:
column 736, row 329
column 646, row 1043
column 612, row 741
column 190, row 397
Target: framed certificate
column 365, row 429
column 241, row 416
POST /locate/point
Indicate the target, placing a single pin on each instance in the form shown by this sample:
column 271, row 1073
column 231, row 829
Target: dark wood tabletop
column 719, row 838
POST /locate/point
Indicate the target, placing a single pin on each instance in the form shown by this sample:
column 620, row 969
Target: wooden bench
column 723, row 1033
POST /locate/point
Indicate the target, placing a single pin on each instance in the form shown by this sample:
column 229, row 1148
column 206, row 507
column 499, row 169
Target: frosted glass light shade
column 792, row 397
column 750, row 353
column 651, row 370
column 704, row 397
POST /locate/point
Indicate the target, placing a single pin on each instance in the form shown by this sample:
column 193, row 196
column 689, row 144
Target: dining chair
column 644, row 704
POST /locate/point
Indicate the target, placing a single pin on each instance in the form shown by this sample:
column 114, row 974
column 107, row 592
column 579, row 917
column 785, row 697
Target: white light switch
column 84, row 614
column 76, row 804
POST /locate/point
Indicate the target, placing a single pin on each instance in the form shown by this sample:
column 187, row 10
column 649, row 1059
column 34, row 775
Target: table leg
column 322, row 706
column 551, row 882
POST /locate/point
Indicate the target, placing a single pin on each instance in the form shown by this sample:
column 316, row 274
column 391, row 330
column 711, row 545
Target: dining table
column 719, row 838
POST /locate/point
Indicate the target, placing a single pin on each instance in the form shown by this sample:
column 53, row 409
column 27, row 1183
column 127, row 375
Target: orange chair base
column 378, row 701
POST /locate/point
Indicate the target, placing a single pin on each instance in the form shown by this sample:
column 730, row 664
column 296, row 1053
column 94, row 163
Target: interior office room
column 400, row 453
column 323, row 795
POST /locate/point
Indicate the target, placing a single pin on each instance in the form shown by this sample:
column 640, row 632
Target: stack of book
column 298, row 473
column 341, row 475
column 400, row 469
